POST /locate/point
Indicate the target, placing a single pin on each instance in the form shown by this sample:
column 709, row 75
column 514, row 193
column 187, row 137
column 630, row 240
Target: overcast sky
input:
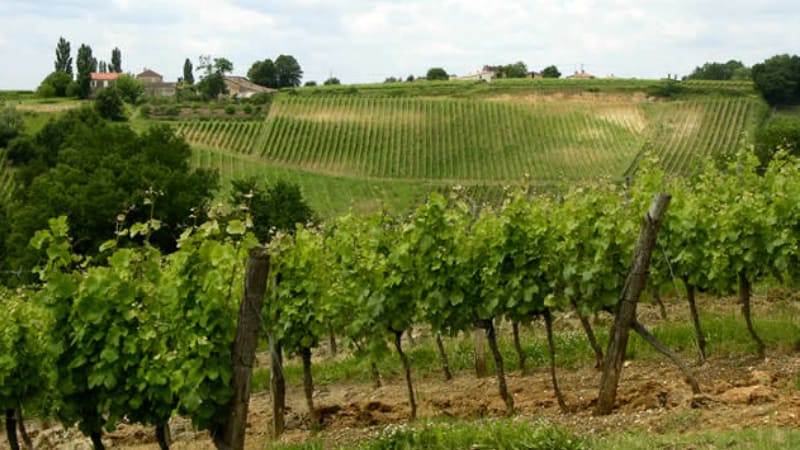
column 366, row 41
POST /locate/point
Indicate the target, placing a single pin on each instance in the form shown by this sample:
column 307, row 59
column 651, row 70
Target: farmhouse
column 487, row 73
column 582, row 75
column 244, row 88
column 102, row 80
column 154, row 84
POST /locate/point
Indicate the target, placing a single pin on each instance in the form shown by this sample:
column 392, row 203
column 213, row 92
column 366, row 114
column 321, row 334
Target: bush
column 173, row 111
column 54, row 85
column 129, row 88
column 230, row 110
column 248, row 109
column 782, row 133
column 145, row 111
column 108, row 103
column 666, row 89
column 11, row 124
column 262, row 98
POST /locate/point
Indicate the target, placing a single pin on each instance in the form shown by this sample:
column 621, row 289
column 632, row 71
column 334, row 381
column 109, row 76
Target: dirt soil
column 738, row 392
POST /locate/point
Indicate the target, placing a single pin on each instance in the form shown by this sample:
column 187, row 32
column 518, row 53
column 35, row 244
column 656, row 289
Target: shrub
column 145, row 111
column 248, row 109
column 230, row 110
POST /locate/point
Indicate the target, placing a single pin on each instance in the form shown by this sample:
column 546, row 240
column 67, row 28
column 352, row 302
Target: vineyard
column 548, row 137
column 449, row 267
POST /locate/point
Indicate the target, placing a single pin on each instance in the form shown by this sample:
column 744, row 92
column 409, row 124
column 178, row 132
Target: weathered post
column 626, row 308
column 231, row 435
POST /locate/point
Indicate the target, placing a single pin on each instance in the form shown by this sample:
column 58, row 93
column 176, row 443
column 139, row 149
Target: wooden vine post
column 231, row 435
column 626, row 308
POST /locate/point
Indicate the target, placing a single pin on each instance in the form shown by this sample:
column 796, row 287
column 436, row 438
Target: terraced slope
column 495, row 140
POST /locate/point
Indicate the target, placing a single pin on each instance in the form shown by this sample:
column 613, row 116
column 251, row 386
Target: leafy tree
column 280, row 206
column 129, row 88
column 263, row 73
column 54, row 85
column 778, row 79
column 516, row 70
column 91, row 171
column 782, row 133
column 289, row 73
column 391, row 80
column 437, row 73
column 212, row 84
column 102, row 67
column 719, row 71
column 551, row 72
column 332, row 81
column 188, row 72
column 11, row 124
column 109, row 104
column 116, row 61
column 85, row 64
column 223, row 65
column 310, row 83
column 63, row 59
column 410, row 78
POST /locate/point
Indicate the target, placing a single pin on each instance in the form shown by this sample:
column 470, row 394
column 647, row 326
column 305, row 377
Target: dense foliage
column 93, row 171
column 731, row 70
column 778, row 79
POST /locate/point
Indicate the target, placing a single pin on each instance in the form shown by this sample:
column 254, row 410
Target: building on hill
column 244, row 88
column 487, row 73
column 582, row 75
column 154, row 84
column 101, row 80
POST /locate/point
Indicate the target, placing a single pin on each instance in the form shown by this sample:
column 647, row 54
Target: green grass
column 726, row 334
column 538, row 434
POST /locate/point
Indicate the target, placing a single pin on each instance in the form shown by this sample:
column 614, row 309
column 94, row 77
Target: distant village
column 154, row 84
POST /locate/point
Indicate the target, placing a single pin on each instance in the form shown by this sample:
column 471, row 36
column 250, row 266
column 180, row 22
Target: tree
column 85, row 64
column 516, row 70
column 92, row 171
column 778, row 79
column 11, row 124
column 719, row 71
column 263, row 73
column 782, row 133
column 109, row 104
column 332, row 81
column 63, row 59
column 212, row 83
column 288, row 71
column 310, row 83
column 188, row 75
column 223, row 65
column 436, row 73
column 279, row 206
column 102, row 67
column 130, row 89
column 410, row 78
column 54, row 85
column 551, row 72
column 116, row 61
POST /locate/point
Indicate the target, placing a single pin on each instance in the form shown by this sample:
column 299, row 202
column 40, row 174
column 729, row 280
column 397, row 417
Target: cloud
column 368, row 40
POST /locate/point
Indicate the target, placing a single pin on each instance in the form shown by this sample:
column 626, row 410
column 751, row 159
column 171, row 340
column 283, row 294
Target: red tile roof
column 104, row 76
column 148, row 74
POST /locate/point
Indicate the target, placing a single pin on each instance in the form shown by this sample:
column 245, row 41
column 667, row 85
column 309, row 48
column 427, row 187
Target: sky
column 362, row 41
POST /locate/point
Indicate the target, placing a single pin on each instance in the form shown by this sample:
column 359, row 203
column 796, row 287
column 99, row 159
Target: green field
column 390, row 144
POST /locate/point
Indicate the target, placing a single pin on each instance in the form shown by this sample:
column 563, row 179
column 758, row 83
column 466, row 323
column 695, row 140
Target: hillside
column 368, row 146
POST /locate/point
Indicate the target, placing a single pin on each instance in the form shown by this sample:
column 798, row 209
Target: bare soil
column 738, row 392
